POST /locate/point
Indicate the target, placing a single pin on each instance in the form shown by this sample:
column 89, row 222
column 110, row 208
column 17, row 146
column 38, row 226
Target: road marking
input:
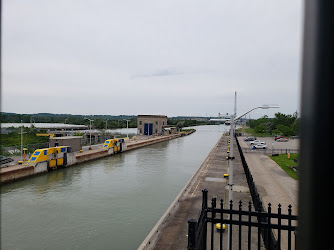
column 196, row 188
column 205, row 170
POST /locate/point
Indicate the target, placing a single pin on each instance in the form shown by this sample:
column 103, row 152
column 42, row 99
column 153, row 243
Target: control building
column 151, row 124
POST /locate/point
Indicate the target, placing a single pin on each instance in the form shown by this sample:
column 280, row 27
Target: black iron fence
column 257, row 221
column 271, row 151
column 243, row 224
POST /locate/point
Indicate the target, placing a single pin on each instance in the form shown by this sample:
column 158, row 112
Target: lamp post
column 233, row 120
column 127, row 128
column 231, row 156
column 22, row 139
column 65, row 125
column 90, row 132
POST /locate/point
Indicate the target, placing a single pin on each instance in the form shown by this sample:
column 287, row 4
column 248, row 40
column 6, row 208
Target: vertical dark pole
column 230, row 240
column 191, row 234
column 204, row 208
column 213, row 203
column 259, row 218
column 269, row 239
column 249, row 227
column 204, row 199
column 315, row 181
column 289, row 231
column 240, row 208
column 221, row 224
column 279, row 227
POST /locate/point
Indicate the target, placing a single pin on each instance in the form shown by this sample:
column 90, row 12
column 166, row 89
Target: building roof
column 66, row 138
column 152, row 116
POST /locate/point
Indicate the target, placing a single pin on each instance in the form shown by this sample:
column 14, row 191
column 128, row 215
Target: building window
column 156, row 123
column 156, row 130
column 163, row 123
column 140, row 123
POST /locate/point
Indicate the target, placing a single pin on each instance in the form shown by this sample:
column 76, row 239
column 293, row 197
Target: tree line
column 100, row 121
column 281, row 124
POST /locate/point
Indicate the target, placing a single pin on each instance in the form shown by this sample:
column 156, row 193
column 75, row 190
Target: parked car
column 255, row 142
column 278, row 137
column 250, row 138
column 258, row 146
column 282, row 139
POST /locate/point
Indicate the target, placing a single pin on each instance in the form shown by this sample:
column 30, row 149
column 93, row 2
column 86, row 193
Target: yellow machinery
column 116, row 144
column 56, row 156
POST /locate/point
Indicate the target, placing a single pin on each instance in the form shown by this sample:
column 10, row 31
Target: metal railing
column 242, row 224
column 271, row 151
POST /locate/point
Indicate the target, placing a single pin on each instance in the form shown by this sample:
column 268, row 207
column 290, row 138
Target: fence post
column 289, row 224
column 205, row 210
column 191, row 234
column 259, row 218
column 279, row 226
column 213, row 215
column 249, row 226
column 221, row 224
column 205, row 199
column 240, row 209
column 269, row 238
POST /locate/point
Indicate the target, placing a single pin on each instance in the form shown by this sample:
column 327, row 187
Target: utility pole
column 22, row 139
column 65, row 125
column 90, row 132
column 127, row 128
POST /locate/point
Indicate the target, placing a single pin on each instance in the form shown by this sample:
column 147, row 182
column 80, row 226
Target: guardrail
column 271, row 151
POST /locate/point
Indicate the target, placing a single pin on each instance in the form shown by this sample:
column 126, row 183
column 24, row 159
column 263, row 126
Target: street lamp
column 22, row 139
column 230, row 193
column 90, row 132
column 231, row 156
column 127, row 127
column 65, row 125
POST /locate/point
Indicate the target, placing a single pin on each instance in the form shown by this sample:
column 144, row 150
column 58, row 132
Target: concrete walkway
column 273, row 183
column 171, row 231
column 274, row 186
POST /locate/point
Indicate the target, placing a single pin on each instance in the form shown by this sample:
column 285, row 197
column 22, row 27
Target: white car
column 255, row 142
column 264, row 146
column 282, row 139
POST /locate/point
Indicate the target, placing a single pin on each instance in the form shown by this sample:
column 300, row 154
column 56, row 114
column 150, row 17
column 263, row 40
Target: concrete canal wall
column 16, row 172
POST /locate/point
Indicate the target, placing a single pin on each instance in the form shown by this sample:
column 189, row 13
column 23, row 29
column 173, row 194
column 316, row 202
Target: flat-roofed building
column 72, row 141
column 151, row 124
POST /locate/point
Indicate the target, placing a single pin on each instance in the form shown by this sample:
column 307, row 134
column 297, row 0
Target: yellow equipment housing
column 114, row 143
column 54, row 156
column 109, row 143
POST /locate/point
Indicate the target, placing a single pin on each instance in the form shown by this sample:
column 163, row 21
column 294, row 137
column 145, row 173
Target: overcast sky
column 181, row 57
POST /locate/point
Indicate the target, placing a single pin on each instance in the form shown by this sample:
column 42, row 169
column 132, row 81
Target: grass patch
column 283, row 161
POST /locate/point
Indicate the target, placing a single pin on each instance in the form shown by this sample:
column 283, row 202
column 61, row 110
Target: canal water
column 111, row 203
